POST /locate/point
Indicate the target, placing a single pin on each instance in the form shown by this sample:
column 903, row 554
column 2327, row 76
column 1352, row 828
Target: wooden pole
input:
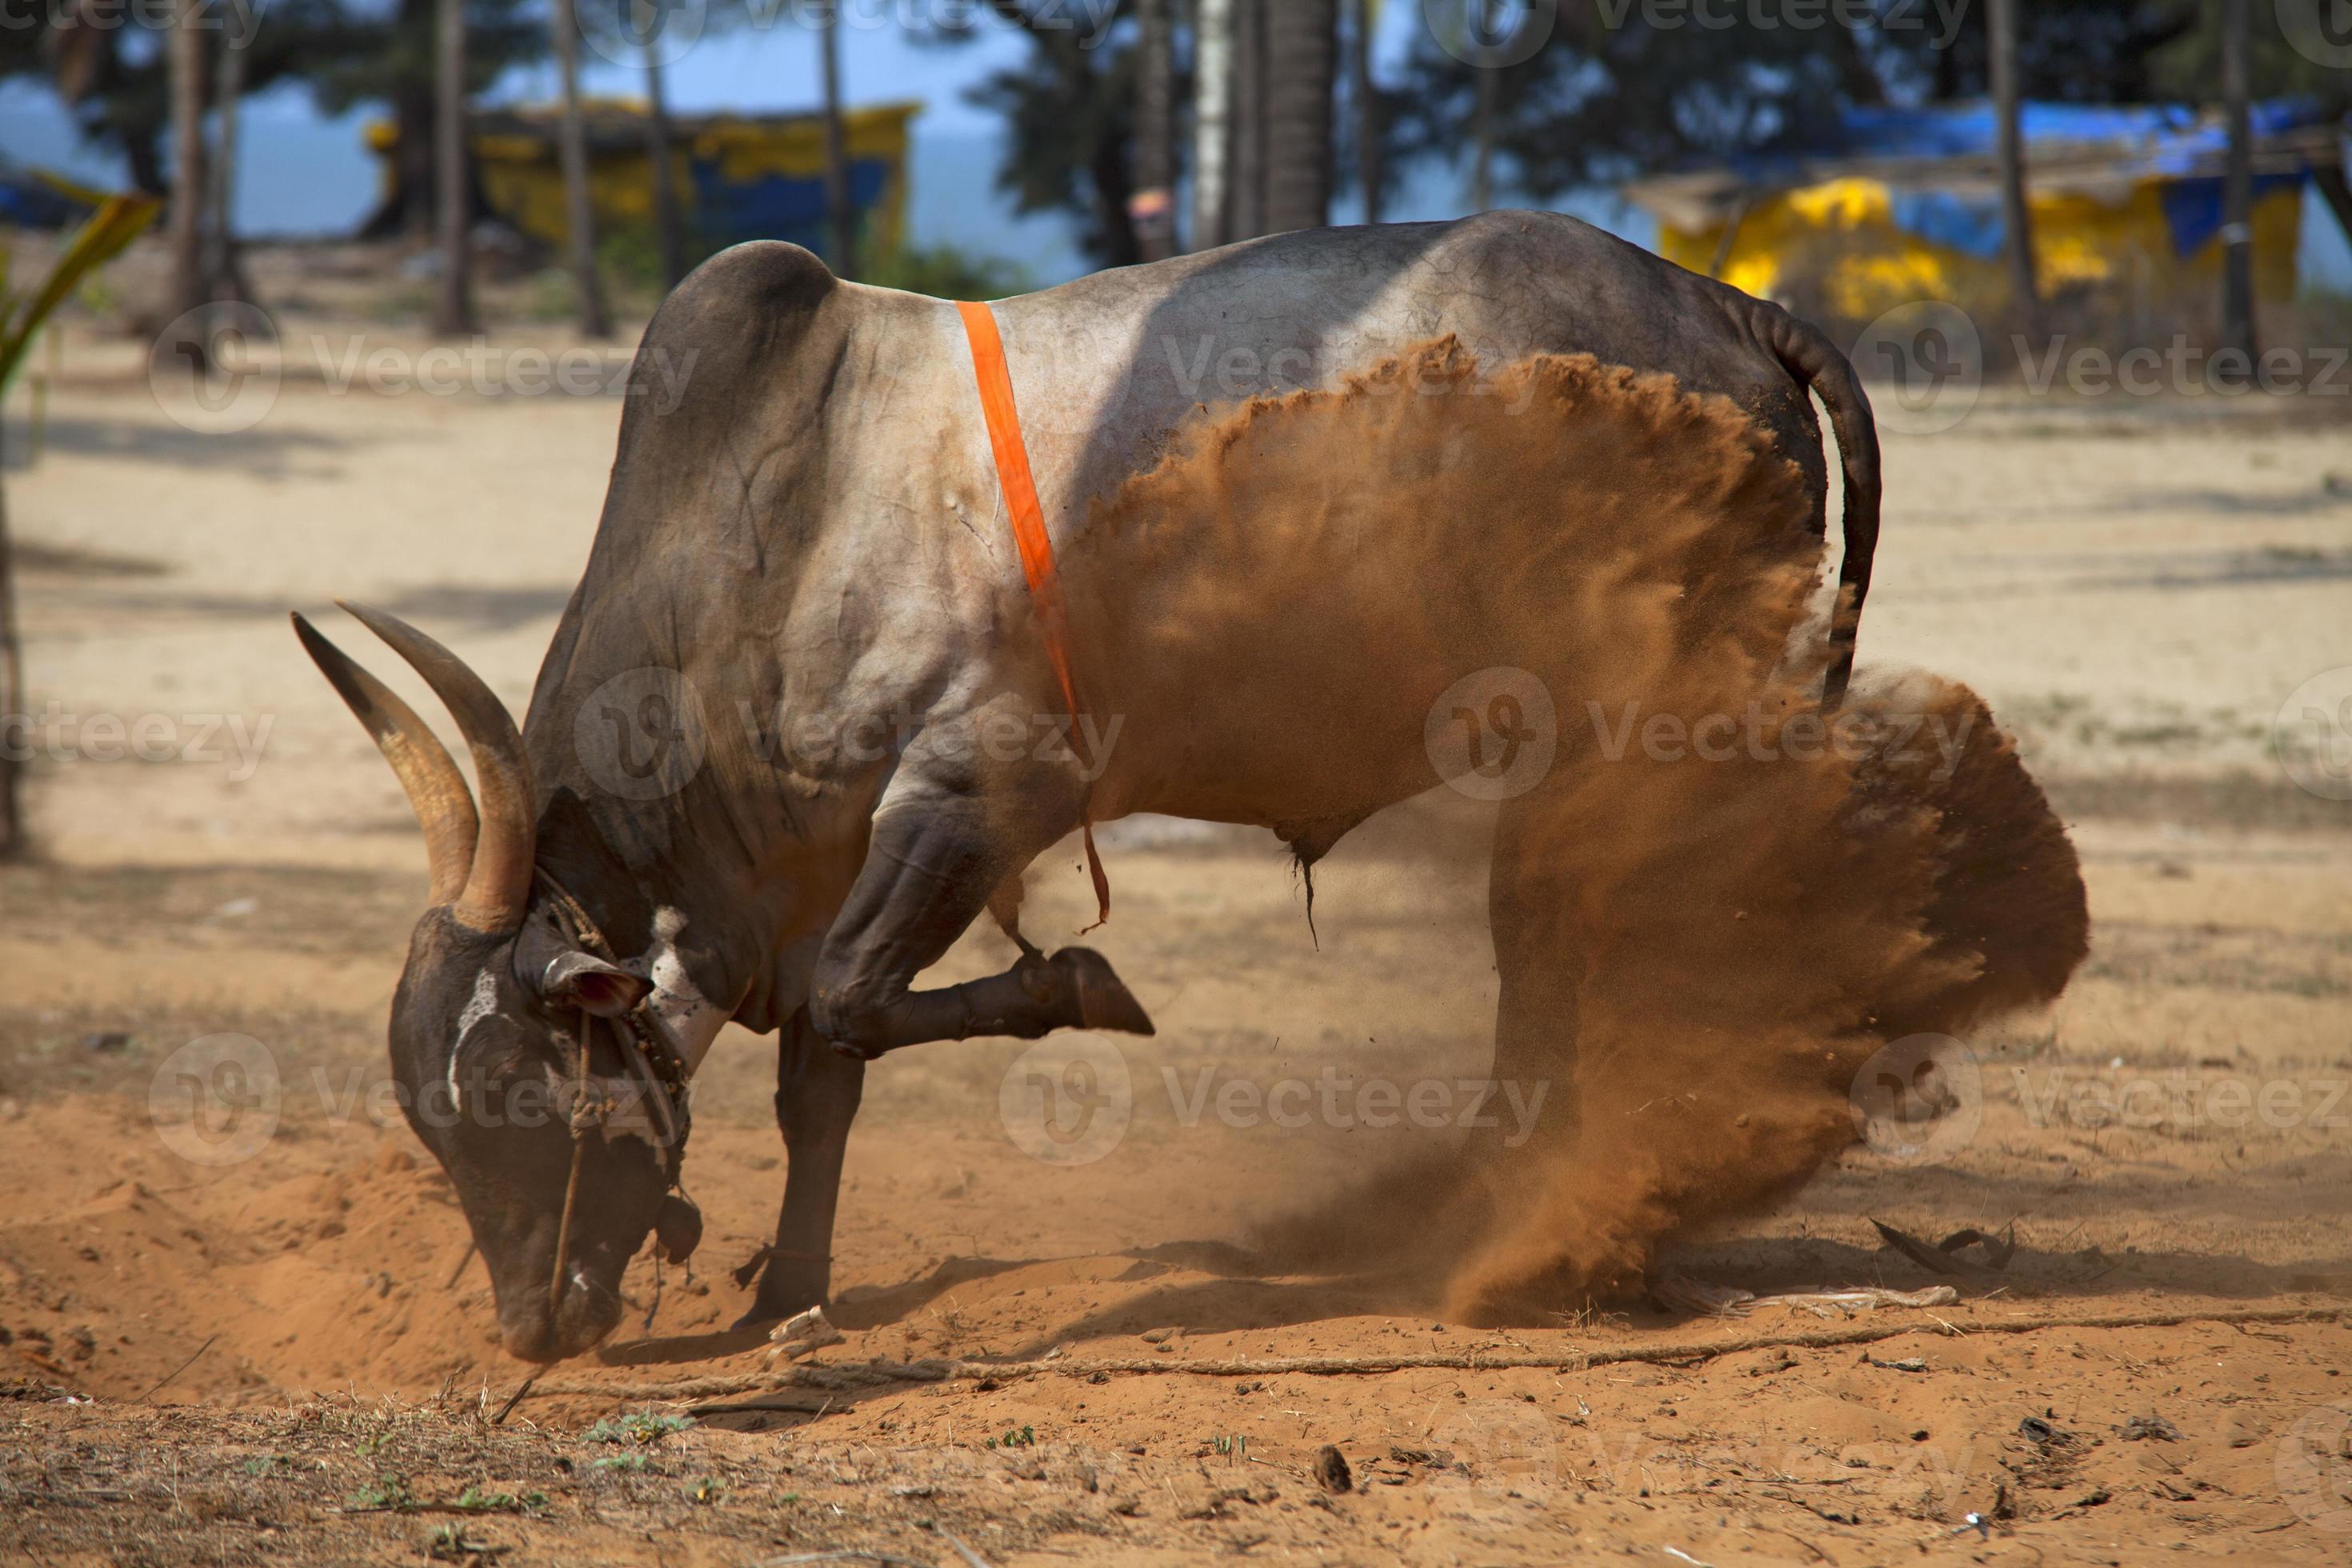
column 1301, row 56
column 2237, row 188
column 1368, row 109
column 1213, row 105
column 571, row 151
column 188, row 185
column 1152, row 205
column 657, row 152
column 841, row 217
column 454, row 316
column 2010, row 113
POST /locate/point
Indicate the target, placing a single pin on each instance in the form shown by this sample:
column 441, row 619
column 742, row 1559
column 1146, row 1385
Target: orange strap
column 1012, row 477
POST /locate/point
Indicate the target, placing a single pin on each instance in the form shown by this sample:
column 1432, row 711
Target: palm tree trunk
column 2010, row 113
column 1302, row 50
column 841, row 218
column 657, row 152
column 1153, row 204
column 2237, row 188
column 187, row 90
column 571, row 149
column 1213, row 108
column 1245, row 203
column 1482, row 141
column 224, row 275
column 16, row 727
column 454, row 316
column 1367, row 110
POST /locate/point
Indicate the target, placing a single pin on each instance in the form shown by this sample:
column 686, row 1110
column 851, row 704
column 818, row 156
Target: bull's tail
column 1806, row 351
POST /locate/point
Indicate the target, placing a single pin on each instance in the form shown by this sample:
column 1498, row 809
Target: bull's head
column 499, row 1010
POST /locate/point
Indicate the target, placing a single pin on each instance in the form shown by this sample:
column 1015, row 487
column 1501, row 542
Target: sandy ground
column 2136, row 586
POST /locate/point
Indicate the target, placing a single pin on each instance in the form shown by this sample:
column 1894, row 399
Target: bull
column 815, row 528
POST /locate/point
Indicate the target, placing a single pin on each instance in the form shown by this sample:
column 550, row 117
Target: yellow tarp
column 1839, row 235
column 522, row 179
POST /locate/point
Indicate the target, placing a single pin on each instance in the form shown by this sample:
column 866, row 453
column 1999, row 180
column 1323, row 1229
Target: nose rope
column 641, row 1047
column 584, row 1116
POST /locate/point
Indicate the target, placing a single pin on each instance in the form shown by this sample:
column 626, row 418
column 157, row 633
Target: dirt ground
column 287, row 1354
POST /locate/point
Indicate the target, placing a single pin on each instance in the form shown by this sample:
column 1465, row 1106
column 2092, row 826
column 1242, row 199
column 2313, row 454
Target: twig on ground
column 971, row 1559
column 459, row 1272
column 881, row 1373
column 513, row 1399
column 177, row 1370
column 846, row 1554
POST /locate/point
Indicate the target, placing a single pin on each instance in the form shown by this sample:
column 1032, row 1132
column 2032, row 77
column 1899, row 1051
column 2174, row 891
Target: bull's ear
column 584, row 981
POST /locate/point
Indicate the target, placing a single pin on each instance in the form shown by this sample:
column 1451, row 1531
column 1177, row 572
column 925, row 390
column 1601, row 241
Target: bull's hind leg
column 1534, row 1093
column 934, row 862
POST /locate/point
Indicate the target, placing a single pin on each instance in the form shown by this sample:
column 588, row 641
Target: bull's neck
column 645, row 818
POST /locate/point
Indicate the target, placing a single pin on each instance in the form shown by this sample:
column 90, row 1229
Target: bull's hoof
column 1104, row 1001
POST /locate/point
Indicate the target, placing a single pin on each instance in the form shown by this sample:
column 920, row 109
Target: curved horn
column 436, row 789
column 497, row 886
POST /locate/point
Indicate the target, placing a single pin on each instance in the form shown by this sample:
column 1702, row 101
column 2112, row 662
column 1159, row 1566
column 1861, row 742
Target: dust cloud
column 1714, row 904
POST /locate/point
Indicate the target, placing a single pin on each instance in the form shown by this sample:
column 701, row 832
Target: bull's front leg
column 933, row 862
column 817, row 1094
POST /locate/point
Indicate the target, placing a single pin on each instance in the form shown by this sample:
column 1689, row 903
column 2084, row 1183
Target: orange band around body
column 1029, row 536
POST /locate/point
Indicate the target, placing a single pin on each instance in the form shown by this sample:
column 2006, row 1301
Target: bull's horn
column 497, row 886
column 436, row 789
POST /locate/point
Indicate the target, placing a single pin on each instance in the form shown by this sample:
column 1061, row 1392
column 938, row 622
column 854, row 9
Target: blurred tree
column 1071, row 119
column 571, row 151
column 453, row 316
column 1302, row 48
column 189, row 57
column 1616, row 90
column 1152, row 207
column 2009, row 106
column 384, row 52
column 1212, row 120
column 841, row 214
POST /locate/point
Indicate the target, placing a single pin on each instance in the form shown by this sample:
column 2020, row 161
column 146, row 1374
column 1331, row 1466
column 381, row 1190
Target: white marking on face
column 478, row 1006
column 691, row 1019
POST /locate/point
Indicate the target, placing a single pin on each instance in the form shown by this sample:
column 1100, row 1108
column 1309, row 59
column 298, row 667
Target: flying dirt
column 1715, row 904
